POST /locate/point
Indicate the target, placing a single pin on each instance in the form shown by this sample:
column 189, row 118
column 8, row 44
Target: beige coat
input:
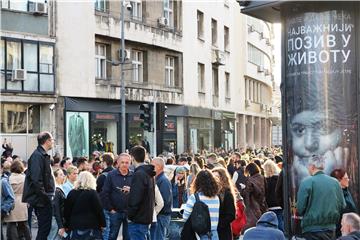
column 20, row 212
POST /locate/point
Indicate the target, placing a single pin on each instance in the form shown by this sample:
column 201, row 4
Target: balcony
column 147, row 31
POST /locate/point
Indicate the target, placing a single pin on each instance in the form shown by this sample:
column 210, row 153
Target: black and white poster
column 77, row 134
column 321, row 91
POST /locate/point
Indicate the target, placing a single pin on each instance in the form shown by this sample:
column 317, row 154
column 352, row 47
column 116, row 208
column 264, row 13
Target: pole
column 154, row 124
column 122, row 89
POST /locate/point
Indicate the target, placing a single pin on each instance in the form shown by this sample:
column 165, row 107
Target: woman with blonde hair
column 83, row 212
column 271, row 172
column 227, row 203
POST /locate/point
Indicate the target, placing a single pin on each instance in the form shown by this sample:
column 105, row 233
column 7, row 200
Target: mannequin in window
column 76, row 135
column 101, row 145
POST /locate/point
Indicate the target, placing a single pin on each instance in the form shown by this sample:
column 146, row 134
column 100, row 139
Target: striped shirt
column 213, row 204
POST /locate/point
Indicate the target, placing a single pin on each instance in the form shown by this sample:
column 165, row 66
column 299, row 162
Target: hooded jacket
column 266, row 229
column 142, row 195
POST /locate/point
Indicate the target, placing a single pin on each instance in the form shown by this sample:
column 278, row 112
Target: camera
column 128, row 6
column 52, row 107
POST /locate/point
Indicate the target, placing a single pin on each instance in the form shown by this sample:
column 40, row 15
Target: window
column 227, row 85
column 214, row 32
column 258, row 57
column 137, row 63
column 13, row 55
column 169, row 71
column 168, row 12
column 226, row 38
column 101, row 5
column 100, row 60
column 215, row 77
column 200, row 24
column 201, row 78
column 36, row 58
column 136, row 10
column 15, row 5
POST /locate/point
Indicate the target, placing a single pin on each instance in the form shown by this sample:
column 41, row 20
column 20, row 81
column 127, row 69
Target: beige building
column 209, row 64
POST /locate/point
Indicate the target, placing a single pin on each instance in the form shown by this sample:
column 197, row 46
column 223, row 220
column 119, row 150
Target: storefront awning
column 265, row 10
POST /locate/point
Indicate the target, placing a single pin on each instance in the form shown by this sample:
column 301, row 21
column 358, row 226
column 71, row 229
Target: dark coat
column 83, row 210
column 351, row 236
column 254, row 198
column 58, row 206
column 270, row 191
column 279, row 190
column 39, row 183
column 226, row 215
column 142, row 195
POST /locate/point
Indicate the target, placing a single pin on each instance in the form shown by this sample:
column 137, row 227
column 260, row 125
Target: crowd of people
column 220, row 195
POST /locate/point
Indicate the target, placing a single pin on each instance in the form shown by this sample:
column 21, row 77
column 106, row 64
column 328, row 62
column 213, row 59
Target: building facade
column 28, row 73
column 209, row 64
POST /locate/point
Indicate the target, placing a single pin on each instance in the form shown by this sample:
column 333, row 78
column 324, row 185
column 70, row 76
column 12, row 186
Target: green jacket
column 320, row 201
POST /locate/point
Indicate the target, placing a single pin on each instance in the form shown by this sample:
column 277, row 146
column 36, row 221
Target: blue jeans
column 116, row 219
column 214, row 236
column 138, row 231
column 106, row 231
column 93, row 234
column 54, row 229
column 161, row 227
column 280, row 217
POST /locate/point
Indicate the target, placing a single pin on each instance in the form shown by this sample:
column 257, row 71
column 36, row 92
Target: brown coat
column 20, row 212
column 254, row 199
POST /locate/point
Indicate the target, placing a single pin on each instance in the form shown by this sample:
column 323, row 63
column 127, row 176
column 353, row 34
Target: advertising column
column 320, row 93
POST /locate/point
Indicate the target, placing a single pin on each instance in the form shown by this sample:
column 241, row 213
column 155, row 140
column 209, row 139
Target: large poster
column 77, row 134
column 320, row 91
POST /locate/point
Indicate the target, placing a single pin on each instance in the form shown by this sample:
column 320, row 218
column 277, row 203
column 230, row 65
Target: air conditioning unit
column 267, row 72
column 268, row 42
column 218, row 57
column 37, row 8
column 163, row 21
column 247, row 103
column 127, row 54
column 18, row 75
column 251, row 28
column 260, row 69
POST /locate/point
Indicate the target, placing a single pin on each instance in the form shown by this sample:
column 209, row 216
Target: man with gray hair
column 319, row 217
column 350, row 227
column 164, row 185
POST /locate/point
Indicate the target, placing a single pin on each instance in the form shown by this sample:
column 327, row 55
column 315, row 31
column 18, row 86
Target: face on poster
column 77, row 134
column 321, row 91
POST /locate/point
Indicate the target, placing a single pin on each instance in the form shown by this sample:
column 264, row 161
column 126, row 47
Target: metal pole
column 154, row 124
column 122, row 89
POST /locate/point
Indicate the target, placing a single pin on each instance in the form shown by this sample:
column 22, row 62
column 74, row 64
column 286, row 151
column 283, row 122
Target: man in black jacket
column 142, row 196
column 39, row 186
column 115, row 196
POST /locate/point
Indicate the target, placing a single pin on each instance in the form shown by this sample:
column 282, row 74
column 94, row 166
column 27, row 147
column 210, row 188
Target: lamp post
column 122, row 88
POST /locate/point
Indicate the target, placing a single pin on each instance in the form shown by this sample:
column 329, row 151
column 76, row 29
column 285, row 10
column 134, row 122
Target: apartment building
column 255, row 122
column 28, row 78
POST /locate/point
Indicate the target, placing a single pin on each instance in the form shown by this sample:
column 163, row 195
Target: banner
column 320, row 92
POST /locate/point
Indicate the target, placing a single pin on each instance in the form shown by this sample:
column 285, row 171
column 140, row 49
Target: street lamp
column 122, row 88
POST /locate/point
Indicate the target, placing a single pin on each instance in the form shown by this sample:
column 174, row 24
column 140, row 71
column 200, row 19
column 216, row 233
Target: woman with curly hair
column 206, row 187
column 227, row 203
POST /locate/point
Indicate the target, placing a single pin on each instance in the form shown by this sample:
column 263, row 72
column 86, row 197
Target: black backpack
column 200, row 218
